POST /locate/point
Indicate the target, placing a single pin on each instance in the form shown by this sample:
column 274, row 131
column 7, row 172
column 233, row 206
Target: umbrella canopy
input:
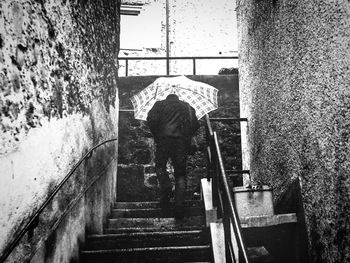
column 201, row 96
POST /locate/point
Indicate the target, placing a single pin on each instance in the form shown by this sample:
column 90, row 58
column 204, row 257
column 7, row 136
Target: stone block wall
column 58, row 99
column 136, row 173
column 294, row 90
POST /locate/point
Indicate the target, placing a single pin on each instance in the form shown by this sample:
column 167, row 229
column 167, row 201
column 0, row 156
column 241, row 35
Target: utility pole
column 167, row 35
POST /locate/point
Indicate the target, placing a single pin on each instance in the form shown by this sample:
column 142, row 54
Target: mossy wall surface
column 58, row 70
column 294, row 59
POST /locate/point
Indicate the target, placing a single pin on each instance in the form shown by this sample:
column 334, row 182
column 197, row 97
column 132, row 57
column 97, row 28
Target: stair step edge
column 152, row 203
column 165, row 233
column 127, row 250
column 268, row 220
column 152, row 212
column 151, row 219
column 149, row 229
column 150, row 209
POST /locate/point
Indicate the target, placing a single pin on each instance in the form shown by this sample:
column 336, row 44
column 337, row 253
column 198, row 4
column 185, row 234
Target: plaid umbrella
column 202, row 97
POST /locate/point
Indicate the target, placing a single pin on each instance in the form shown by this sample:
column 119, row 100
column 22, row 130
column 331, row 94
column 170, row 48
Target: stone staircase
column 138, row 230
column 143, row 232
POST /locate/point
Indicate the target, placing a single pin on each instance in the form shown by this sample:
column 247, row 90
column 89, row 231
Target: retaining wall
column 294, row 89
column 58, row 99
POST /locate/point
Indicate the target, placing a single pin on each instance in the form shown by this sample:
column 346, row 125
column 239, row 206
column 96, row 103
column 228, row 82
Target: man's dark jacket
column 172, row 118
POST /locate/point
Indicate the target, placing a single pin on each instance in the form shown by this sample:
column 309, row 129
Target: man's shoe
column 165, row 198
column 179, row 212
column 164, row 201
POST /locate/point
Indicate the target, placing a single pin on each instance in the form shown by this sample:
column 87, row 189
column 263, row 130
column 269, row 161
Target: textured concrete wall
column 58, row 99
column 294, row 89
column 136, row 173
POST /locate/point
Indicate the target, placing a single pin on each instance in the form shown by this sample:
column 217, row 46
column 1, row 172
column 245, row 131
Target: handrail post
column 209, row 135
column 209, row 156
column 227, row 233
column 126, row 67
column 215, row 175
column 194, row 66
column 167, row 66
column 167, row 44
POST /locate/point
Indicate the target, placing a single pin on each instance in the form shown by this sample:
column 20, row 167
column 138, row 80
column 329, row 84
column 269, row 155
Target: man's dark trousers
column 172, row 123
column 176, row 149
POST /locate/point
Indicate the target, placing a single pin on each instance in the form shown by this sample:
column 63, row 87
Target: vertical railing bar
column 209, row 135
column 167, row 26
column 220, row 202
column 209, row 124
column 232, row 254
column 167, row 66
column 126, row 67
column 209, row 163
column 215, row 178
column 194, row 66
column 228, row 236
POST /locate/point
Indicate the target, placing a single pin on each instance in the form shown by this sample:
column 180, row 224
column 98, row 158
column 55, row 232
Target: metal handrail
column 172, row 58
column 222, row 195
column 228, row 119
column 34, row 219
column 233, row 215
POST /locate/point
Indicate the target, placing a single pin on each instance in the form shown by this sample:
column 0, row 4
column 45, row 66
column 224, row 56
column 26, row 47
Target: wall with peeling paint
column 294, row 61
column 58, row 70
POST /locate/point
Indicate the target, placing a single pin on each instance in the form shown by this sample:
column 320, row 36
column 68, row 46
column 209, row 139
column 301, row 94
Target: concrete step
column 155, row 229
column 280, row 240
column 255, row 254
column 148, row 239
column 268, row 220
column 155, row 204
column 143, row 232
column 154, row 212
column 149, row 254
column 156, row 223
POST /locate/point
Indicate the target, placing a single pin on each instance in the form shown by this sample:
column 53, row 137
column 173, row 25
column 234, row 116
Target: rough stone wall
column 58, row 98
column 136, row 174
column 294, row 90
